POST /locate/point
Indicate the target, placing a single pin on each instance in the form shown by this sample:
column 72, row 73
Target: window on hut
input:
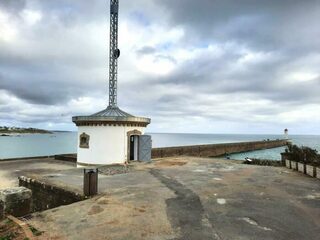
column 84, row 140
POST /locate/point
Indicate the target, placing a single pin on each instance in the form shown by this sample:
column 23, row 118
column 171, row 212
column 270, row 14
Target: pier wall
column 215, row 150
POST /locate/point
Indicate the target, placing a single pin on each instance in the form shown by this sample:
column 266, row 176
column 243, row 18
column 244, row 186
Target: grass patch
column 35, row 231
column 9, row 236
column 9, row 230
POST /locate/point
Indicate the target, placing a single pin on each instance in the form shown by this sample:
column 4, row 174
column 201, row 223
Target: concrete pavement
column 191, row 198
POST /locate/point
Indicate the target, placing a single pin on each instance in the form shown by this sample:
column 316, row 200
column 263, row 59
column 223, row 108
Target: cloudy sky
column 207, row 66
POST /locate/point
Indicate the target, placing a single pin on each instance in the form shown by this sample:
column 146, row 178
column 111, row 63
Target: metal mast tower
column 114, row 53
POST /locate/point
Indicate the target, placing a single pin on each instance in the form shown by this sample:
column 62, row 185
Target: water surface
column 31, row 145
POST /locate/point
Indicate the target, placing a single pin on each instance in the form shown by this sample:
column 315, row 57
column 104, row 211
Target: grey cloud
column 13, row 6
column 46, row 84
column 165, row 57
column 208, row 74
column 146, row 50
column 74, row 12
column 45, row 91
column 260, row 24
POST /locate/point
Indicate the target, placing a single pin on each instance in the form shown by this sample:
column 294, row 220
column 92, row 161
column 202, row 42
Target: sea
column 33, row 145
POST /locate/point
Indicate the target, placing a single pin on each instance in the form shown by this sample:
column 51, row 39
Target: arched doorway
column 133, row 145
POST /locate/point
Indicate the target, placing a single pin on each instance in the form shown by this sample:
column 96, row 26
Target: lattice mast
column 114, row 53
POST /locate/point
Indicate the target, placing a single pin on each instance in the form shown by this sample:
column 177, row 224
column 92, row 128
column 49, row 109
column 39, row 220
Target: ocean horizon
column 62, row 142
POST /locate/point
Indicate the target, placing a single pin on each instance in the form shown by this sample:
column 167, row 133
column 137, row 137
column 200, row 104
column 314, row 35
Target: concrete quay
column 187, row 198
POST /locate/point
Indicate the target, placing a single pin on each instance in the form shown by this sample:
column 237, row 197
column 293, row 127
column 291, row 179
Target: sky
column 204, row 66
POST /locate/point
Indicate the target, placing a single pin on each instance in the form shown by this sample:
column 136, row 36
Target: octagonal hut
column 110, row 136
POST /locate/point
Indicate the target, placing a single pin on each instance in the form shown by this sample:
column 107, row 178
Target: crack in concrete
column 185, row 211
column 254, row 223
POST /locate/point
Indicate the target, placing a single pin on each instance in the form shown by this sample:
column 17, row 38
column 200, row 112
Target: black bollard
column 90, row 182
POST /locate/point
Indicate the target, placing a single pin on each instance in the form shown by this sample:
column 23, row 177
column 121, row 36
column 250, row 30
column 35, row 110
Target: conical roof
column 112, row 114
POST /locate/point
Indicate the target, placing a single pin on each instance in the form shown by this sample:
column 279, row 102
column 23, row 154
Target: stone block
column 17, row 201
column 1, row 210
column 300, row 167
column 284, row 159
column 310, row 171
column 318, row 172
column 288, row 163
column 294, row 165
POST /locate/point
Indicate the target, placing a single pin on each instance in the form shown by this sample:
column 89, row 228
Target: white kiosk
column 112, row 136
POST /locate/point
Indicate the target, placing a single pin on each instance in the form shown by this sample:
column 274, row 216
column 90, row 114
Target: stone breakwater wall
column 46, row 196
column 216, row 150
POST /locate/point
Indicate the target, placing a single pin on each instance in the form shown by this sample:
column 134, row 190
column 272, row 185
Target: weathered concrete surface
column 16, row 201
column 191, row 198
column 185, row 211
column 11, row 170
column 132, row 207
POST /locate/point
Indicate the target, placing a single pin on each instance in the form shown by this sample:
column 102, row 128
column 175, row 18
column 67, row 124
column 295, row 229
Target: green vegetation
column 10, row 231
column 8, row 237
column 35, row 231
column 9, row 130
column 303, row 154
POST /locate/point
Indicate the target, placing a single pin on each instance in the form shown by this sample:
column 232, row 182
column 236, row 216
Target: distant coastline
column 10, row 131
